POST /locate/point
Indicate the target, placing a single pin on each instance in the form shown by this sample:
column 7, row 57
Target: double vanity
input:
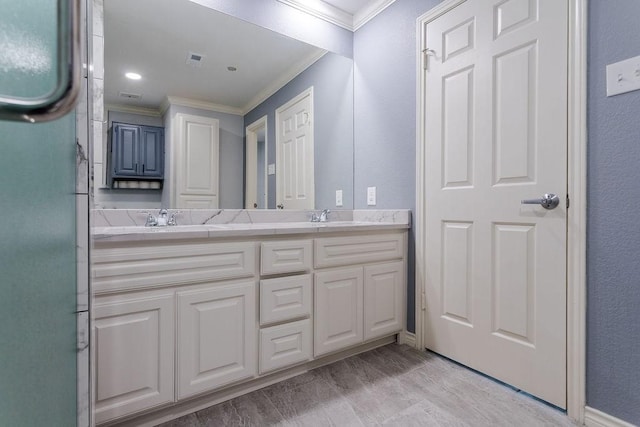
column 229, row 301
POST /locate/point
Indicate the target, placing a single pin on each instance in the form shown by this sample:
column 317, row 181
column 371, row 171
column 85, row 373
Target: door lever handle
column 548, row 201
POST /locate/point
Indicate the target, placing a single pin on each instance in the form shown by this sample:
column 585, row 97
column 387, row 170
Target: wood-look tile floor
column 393, row 385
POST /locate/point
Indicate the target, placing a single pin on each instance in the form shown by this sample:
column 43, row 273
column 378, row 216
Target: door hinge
column 424, row 301
column 568, row 202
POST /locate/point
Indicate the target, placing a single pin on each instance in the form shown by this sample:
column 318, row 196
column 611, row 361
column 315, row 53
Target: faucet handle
column 172, row 218
column 314, row 217
column 151, row 221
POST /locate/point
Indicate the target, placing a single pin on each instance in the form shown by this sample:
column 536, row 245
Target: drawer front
column 338, row 251
column 146, row 266
column 285, row 298
column 285, row 345
column 285, row 257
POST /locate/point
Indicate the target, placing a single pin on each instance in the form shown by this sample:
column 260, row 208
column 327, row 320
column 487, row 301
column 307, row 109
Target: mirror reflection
column 204, row 110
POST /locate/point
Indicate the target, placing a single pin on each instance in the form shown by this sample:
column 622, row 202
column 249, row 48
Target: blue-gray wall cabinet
column 137, row 152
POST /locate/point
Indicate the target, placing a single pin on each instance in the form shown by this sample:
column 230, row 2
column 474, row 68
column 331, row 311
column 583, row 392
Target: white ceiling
column 156, row 46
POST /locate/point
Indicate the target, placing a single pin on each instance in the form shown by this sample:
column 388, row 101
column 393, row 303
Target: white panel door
column 496, row 132
column 294, row 153
column 134, row 341
column 196, row 162
column 383, row 299
column 216, row 337
column 338, row 316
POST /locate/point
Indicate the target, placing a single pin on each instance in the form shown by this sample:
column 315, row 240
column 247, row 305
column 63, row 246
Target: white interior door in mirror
column 196, row 163
column 294, row 153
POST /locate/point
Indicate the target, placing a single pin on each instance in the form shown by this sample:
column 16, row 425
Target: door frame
column 251, row 159
column 576, row 189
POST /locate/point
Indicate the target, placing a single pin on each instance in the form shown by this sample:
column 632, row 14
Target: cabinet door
column 125, row 150
column 134, row 342
column 383, row 299
column 338, row 314
column 196, row 162
column 152, row 152
column 216, row 337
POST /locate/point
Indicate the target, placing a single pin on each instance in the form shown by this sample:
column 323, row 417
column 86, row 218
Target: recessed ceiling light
column 133, row 76
column 231, row 68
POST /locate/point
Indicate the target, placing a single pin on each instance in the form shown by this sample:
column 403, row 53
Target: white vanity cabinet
column 134, row 353
column 179, row 320
column 216, row 336
column 363, row 301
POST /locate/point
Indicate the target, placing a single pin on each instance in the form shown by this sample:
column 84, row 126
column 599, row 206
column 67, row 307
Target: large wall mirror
column 201, row 71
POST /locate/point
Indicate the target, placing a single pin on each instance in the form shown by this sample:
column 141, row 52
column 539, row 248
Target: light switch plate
column 623, row 76
column 371, row 196
column 271, row 169
column 338, row 198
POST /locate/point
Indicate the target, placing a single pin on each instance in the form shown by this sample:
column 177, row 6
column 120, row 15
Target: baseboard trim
column 407, row 338
column 596, row 418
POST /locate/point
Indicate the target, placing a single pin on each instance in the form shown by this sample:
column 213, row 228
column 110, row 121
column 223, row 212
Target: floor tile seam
column 266, row 396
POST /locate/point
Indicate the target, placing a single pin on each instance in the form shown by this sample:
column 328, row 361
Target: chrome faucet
column 323, row 217
column 162, row 220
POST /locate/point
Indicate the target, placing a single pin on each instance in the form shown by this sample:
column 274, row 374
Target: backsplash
column 137, row 217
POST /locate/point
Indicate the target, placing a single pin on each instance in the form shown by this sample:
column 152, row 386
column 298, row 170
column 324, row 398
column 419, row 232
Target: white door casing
column 294, row 153
column 196, row 163
column 495, row 126
column 251, row 161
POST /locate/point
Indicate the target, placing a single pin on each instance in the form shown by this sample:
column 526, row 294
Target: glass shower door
column 37, row 230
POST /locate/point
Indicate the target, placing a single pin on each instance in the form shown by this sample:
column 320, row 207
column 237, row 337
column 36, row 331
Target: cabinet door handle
column 143, row 169
column 136, row 168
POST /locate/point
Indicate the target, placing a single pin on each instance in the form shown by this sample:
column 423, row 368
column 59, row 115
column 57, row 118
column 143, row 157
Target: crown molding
column 369, row 12
column 324, row 11
column 285, row 78
column 339, row 17
column 132, row 109
column 201, row 105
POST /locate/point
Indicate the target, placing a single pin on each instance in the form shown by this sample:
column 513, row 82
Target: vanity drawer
column 153, row 265
column 290, row 256
column 338, row 251
column 285, row 345
column 285, row 298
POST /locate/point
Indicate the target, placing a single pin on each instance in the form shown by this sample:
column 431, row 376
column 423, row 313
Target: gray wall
column 231, row 154
column 332, row 80
column 289, row 21
column 385, row 110
column 613, row 234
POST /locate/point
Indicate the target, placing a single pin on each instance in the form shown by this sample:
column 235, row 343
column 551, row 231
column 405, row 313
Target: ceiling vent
column 194, row 59
column 129, row 95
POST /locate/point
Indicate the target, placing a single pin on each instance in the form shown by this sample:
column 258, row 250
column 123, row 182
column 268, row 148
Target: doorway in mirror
column 256, row 190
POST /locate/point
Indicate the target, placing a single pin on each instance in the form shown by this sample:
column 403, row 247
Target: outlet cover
column 271, row 169
column 338, row 198
column 623, row 76
column 371, row 196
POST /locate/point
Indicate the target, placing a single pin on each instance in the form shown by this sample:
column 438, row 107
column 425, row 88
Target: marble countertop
column 121, row 225
column 138, row 233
